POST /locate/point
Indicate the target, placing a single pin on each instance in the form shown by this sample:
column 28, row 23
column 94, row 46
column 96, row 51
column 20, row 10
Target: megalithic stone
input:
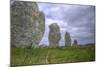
column 75, row 43
column 67, row 39
column 54, row 35
column 27, row 24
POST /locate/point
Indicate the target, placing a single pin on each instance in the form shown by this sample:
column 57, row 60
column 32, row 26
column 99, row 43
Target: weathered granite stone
column 27, row 24
column 67, row 39
column 54, row 35
column 75, row 44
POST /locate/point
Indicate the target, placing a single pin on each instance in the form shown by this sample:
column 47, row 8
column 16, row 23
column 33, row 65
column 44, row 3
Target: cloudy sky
column 78, row 20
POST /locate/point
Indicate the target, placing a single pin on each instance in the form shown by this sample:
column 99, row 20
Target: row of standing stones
column 28, row 26
column 55, row 36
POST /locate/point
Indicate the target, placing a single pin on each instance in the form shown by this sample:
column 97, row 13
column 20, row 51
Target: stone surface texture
column 27, row 24
column 54, row 35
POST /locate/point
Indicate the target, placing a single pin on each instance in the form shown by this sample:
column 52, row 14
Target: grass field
column 34, row 56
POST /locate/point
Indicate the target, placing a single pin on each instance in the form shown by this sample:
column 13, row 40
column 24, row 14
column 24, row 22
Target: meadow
column 35, row 56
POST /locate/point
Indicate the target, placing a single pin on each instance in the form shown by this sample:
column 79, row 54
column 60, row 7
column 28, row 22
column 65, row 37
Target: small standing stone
column 75, row 44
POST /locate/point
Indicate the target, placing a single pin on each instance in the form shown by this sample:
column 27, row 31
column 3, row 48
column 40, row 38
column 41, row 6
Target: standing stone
column 67, row 39
column 27, row 24
column 75, row 44
column 54, row 35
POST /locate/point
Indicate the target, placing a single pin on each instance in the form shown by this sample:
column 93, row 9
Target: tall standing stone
column 54, row 35
column 27, row 24
column 67, row 39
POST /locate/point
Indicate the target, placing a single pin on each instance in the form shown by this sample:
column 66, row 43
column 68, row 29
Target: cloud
column 78, row 20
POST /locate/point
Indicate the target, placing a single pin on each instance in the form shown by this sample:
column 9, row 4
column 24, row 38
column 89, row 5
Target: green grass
column 33, row 56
